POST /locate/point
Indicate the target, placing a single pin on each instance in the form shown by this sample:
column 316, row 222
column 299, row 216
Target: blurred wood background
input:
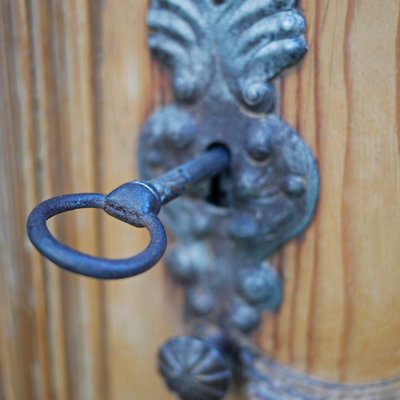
column 76, row 84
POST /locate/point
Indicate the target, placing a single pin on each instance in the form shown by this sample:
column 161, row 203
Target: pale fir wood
column 140, row 313
column 76, row 84
column 340, row 317
column 22, row 350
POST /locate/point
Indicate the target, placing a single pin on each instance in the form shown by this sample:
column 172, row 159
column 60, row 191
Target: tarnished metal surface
column 194, row 369
column 136, row 203
column 84, row 264
column 222, row 56
column 269, row 380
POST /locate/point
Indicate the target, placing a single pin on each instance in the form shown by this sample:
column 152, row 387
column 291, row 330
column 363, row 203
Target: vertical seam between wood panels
column 17, row 198
column 95, row 10
column 314, row 278
column 35, row 108
column 4, row 84
column 59, row 182
column 345, row 257
column 39, row 163
column 40, row 296
column 24, row 364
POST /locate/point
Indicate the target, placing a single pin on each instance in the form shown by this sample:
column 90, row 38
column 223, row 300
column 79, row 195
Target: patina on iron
column 222, row 56
column 136, row 203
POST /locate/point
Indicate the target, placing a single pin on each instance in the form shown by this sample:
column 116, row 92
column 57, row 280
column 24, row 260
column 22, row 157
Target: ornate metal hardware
column 194, row 368
column 222, row 56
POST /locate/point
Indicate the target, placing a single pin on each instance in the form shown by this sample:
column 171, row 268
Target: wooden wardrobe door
column 76, row 84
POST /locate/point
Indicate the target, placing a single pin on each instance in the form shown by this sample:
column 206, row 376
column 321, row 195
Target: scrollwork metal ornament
column 268, row 380
column 223, row 56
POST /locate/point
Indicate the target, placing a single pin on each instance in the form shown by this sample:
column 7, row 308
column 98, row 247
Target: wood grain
column 76, row 84
column 340, row 318
column 140, row 313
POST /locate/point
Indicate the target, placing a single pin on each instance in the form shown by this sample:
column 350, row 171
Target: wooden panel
column 141, row 313
column 76, row 84
column 340, row 316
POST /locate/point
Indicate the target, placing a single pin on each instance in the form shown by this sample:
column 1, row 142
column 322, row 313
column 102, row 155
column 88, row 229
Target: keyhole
column 220, row 186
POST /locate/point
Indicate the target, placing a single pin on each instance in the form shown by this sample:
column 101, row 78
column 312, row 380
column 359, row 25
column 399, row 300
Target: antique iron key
column 136, row 203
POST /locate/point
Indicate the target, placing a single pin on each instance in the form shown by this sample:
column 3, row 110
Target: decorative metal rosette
column 194, row 369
